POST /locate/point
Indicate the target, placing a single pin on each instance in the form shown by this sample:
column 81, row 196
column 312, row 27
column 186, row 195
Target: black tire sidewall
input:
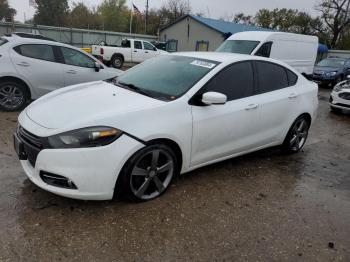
column 123, row 187
column 24, row 91
column 117, row 57
column 286, row 147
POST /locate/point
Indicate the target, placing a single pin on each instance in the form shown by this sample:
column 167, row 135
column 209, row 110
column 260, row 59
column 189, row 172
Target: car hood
column 326, row 69
column 85, row 103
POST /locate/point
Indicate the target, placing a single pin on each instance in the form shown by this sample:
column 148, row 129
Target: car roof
column 226, row 57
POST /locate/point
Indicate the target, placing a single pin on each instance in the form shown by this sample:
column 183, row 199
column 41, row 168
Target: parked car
column 299, row 51
column 331, row 71
column 340, row 96
column 130, row 51
column 133, row 137
column 31, row 67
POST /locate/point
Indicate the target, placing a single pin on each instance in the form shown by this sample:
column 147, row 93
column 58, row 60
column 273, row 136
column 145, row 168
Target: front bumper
column 322, row 79
column 337, row 102
column 94, row 171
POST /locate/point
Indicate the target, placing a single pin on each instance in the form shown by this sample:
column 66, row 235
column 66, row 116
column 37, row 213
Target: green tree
column 51, row 12
column 114, row 15
column 6, row 12
column 82, row 17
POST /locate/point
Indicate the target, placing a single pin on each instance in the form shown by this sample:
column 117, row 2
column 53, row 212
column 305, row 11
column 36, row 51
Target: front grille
column 345, row 96
column 32, row 144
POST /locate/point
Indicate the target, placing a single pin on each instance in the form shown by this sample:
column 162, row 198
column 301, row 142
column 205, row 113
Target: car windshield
column 166, row 77
column 238, row 46
column 3, row 41
column 332, row 62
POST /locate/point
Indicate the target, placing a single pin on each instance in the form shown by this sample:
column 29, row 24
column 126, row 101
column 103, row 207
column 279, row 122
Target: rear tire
column 13, row 96
column 148, row 173
column 117, row 61
column 297, row 135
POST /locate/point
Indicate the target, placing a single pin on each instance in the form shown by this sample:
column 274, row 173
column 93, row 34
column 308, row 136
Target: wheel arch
column 118, row 54
column 172, row 144
column 18, row 80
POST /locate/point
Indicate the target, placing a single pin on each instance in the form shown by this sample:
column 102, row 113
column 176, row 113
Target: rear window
column 3, row 41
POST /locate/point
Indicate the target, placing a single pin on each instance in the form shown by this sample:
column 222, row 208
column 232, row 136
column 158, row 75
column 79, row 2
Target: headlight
column 85, row 137
column 331, row 73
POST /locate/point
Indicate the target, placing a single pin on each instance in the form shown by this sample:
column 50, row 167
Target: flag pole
column 131, row 15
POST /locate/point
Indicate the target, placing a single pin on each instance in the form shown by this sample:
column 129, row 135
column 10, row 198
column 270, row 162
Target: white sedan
column 32, row 66
column 167, row 116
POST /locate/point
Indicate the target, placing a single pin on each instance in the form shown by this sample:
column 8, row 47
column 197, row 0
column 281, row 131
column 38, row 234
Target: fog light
column 57, row 181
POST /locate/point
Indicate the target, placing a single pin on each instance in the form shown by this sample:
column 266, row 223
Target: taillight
column 102, row 51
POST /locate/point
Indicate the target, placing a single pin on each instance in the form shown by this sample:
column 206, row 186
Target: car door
column 37, row 64
column 149, row 50
column 138, row 54
column 78, row 67
column 279, row 98
column 224, row 130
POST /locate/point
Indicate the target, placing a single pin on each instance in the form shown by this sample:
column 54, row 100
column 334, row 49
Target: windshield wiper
column 135, row 88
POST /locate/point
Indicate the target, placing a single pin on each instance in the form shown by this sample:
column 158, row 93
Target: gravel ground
column 260, row 207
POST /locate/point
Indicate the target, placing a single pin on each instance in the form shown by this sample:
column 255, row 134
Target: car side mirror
column 348, row 77
column 214, row 98
column 155, row 49
column 98, row 66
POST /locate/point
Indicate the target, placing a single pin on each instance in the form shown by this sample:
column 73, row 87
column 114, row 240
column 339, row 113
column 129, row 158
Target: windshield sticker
column 203, row 64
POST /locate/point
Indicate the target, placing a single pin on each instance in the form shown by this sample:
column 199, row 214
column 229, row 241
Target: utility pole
column 146, row 17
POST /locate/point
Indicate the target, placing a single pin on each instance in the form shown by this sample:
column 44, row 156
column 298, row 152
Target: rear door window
column 41, row 52
column 235, row 81
column 137, row 45
column 271, row 77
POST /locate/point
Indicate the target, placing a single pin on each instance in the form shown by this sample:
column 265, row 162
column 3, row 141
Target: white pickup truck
column 130, row 51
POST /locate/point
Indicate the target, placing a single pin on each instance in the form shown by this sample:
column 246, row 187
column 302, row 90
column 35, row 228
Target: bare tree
column 178, row 8
column 336, row 15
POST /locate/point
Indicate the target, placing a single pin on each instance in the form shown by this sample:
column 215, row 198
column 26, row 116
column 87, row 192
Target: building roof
column 220, row 25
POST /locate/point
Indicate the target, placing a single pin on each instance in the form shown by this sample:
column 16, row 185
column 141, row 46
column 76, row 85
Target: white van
column 299, row 51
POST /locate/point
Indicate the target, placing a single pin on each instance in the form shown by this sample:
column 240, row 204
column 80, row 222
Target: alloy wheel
column 299, row 134
column 152, row 174
column 11, row 97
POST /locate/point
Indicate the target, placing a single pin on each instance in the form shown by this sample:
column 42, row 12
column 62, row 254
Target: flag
column 136, row 10
column 33, row 3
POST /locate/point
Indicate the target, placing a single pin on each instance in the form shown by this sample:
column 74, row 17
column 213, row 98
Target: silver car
column 31, row 68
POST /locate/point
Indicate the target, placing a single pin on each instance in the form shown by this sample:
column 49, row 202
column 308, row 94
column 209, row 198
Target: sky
column 212, row 9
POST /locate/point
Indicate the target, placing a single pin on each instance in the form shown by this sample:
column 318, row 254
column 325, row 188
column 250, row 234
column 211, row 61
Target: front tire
column 13, row 96
column 297, row 135
column 148, row 173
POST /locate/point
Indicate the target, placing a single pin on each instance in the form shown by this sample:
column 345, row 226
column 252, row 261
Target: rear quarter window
column 292, row 78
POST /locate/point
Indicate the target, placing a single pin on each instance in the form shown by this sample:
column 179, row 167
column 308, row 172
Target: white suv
column 30, row 68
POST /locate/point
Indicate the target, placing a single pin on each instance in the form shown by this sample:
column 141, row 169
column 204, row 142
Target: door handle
column 292, row 96
column 73, row 72
column 135, row 51
column 252, row 106
column 24, row 64
column 146, row 52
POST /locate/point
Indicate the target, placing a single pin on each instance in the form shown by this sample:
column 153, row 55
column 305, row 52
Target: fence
column 72, row 36
column 339, row 53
